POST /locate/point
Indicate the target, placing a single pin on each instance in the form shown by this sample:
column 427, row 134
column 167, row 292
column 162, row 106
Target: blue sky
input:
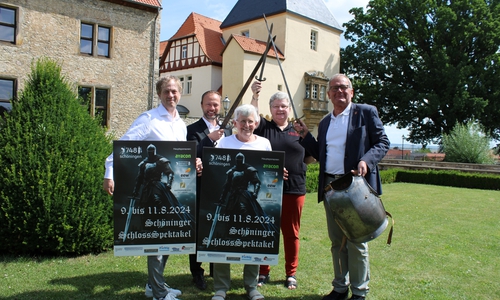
column 173, row 15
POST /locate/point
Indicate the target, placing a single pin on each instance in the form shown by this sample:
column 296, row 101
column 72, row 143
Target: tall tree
column 427, row 65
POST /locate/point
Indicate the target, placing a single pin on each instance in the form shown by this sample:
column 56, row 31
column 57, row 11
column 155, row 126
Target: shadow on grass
column 95, row 286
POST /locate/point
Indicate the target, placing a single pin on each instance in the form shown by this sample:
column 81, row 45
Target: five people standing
column 350, row 139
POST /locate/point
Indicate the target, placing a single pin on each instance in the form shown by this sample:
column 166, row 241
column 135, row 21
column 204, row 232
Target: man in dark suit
column 206, row 132
column 350, row 139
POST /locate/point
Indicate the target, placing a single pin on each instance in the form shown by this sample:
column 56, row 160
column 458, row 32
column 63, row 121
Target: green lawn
column 446, row 245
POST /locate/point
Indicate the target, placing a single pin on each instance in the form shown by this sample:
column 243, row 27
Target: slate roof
column 249, row 10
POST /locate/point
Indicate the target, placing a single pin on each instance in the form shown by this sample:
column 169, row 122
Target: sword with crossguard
column 269, row 29
column 245, row 87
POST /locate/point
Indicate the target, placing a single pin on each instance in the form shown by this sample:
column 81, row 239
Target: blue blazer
column 366, row 140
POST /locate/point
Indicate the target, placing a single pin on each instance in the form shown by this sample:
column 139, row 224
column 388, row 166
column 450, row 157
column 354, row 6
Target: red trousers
column 291, row 210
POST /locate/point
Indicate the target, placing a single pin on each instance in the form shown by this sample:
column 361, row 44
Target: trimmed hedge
column 443, row 178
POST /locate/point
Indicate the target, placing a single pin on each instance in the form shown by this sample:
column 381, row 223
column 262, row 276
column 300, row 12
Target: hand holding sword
column 281, row 68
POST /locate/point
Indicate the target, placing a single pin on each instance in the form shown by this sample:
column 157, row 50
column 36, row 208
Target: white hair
column 279, row 96
column 246, row 110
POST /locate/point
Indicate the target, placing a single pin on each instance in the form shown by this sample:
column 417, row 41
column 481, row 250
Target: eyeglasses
column 279, row 106
column 342, row 87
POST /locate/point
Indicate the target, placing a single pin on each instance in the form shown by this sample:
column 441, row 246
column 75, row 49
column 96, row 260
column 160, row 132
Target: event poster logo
column 222, row 160
column 131, row 150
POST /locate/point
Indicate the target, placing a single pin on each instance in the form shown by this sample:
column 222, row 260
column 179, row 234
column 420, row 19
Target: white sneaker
column 169, row 296
column 149, row 292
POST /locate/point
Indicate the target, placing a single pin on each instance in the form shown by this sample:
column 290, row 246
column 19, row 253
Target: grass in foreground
column 445, row 246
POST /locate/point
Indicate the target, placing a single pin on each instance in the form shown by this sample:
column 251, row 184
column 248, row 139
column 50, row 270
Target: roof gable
column 207, row 32
column 254, row 46
column 249, row 10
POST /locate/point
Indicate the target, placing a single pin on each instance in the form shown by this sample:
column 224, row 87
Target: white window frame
column 314, row 40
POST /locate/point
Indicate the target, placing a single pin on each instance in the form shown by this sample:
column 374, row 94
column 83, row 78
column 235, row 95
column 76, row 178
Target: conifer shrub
column 51, row 170
column 467, row 144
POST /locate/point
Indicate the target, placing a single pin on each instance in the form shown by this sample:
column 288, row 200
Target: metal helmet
column 240, row 159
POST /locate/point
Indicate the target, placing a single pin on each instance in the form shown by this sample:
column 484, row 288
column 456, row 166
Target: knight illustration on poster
column 154, row 199
column 240, row 209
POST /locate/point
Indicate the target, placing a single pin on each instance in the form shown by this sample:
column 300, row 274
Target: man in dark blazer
column 206, row 132
column 350, row 139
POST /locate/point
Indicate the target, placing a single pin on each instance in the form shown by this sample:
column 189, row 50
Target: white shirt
column 156, row 124
column 336, row 136
column 232, row 142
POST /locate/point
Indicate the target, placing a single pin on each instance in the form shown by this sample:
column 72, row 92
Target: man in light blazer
column 206, row 132
column 350, row 139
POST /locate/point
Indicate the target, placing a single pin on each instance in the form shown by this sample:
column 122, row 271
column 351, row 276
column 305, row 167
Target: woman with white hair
column 245, row 121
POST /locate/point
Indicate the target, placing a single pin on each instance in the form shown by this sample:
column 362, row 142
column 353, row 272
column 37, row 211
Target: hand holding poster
column 154, row 198
column 240, row 208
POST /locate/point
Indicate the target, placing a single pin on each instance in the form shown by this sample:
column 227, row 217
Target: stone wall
column 51, row 28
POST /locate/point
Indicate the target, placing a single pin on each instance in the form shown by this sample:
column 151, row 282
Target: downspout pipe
column 154, row 62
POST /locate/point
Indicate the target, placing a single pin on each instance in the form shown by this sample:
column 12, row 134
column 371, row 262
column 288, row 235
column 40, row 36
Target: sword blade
column 129, row 217
column 261, row 77
column 282, row 72
column 214, row 222
column 245, row 87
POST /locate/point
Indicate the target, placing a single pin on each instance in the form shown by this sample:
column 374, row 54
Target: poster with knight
column 240, row 207
column 155, row 198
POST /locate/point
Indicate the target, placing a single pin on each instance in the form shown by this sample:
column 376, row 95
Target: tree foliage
column 467, row 144
column 51, row 168
column 427, row 64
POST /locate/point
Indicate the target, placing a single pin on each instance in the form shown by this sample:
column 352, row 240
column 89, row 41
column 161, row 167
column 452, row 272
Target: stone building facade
column 107, row 48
